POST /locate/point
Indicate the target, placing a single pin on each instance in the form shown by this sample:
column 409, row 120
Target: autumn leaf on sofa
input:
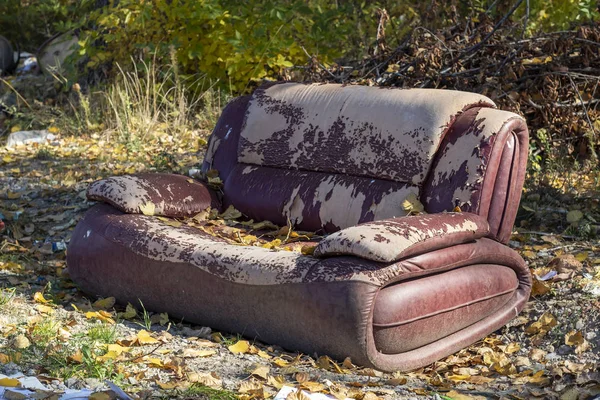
column 148, row 208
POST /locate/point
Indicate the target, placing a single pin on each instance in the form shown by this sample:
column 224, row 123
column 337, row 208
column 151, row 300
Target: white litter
column 31, row 388
column 287, row 390
column 25, row 137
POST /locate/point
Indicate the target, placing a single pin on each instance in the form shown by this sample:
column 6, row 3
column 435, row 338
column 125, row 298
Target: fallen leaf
column 574, row 338
column 143, row 337
column 261, row 372
column 155, row 362
column 101, row 315
column 241, row 347
column 539, row 288
column 148, row 208
column 44, row 309
column 543, row 325
column 167, row 385
column 454, row 395
column 313, row 387
column 39, row 298
column 130, row 312
column 253, row 387
column 75, row 358
column 193, row 353
column 20, row 342
column 231, row 213
column 104, row 304
column 211, row 379
column 412, row 205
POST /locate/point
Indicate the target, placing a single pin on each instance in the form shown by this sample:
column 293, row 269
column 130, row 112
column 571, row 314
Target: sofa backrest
column 327, row 156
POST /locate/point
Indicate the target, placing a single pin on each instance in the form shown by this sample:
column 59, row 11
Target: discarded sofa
column 390, row 291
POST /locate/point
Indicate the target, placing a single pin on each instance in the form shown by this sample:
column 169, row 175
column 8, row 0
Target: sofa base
column 334, row 318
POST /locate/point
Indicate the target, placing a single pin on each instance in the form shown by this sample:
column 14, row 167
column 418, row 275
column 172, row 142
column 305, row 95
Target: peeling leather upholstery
column 395, row 293
column 171, row 195
column 392, row 239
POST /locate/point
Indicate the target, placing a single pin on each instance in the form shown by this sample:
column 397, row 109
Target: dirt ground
column 51, row 330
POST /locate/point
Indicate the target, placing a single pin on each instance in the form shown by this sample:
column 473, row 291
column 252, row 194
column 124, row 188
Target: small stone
column 590, row 335
column 564, row 350
column 579, row 325
column 93, row 383
column 12, row 395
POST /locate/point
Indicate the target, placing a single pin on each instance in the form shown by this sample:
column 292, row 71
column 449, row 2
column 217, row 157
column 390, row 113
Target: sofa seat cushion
column 396, row 238
column 313, row 201
column 168, row 195
column 405, row 312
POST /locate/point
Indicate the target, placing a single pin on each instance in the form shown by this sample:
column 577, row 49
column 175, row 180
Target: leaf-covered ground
column 51, row 330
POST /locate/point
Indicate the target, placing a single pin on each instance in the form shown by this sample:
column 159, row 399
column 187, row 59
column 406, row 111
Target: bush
column 29, row 23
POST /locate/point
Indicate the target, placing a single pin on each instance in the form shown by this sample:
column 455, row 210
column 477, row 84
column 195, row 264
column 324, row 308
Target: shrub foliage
column 238, row 42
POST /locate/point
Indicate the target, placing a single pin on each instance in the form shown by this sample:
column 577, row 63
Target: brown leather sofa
column 390, row 291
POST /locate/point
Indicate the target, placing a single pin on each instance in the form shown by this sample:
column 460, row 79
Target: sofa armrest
column 480, row 167
column 170, row 195
column 393, row 239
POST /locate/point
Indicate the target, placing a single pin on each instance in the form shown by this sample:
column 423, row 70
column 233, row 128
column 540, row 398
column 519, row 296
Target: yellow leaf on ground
column 9, row 382
column 261, row 372
column 542, row 325
column 313, row 387
column 241, row 347
column 574, row 338
column 110, row 355
column 192, row 353
column 76, row 357
column 143, row 337
column 231, row 213
column 117, row 348
column 39, row 298
column 101, row 315
column 148, row 208
column 44, row 309
column 280, row 362
column 253, row 387
column 454, row 395
column 207, row 379
column 130, row 312
column 104, row 304
column 512, row 348
column 100, row 396
column 155, row 362
column 167, row 385
column 21, row 342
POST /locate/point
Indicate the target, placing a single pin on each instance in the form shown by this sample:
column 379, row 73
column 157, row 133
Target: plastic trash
column 59, row 246
column 24, row 137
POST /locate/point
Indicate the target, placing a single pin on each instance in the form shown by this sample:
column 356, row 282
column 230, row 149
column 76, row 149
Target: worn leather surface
column 313, row 201
column 172, row 195
column 405, row 313
column 493, row 170
column 221, row 153
column 384, row 133
column 316, row 315
column 392, row 239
